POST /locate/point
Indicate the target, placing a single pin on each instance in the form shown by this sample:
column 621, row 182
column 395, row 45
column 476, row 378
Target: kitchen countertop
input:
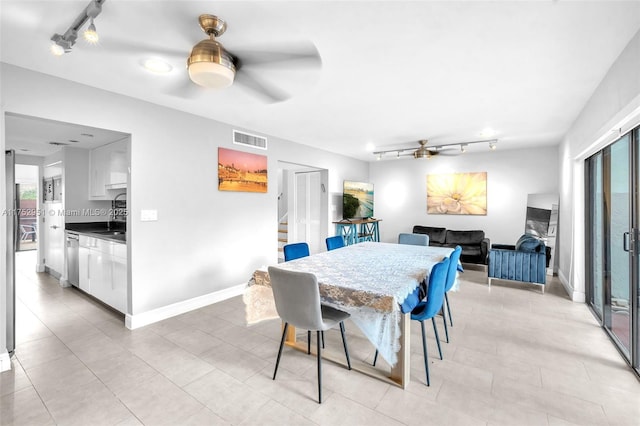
column 112, row 231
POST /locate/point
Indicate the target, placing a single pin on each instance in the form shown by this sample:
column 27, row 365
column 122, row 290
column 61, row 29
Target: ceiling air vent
column 58, row 143
column 248, row 139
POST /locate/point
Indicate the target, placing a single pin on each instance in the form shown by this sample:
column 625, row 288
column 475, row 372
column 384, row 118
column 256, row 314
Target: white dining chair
column 297, row 299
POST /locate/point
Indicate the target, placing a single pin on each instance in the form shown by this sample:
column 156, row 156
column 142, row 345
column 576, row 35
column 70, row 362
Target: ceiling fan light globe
column 211, row 75
column 210, row 65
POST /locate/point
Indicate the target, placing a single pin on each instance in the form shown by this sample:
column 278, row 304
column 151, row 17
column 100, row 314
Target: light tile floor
column 516, row 357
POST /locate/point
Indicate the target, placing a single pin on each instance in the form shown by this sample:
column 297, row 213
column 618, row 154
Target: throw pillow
column 529, row 243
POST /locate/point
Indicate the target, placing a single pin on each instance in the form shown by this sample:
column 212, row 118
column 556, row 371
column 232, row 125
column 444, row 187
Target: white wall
column 401, row 186
column 613, row 108
column 204, row 240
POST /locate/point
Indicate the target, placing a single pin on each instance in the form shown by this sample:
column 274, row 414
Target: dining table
column 377, row 283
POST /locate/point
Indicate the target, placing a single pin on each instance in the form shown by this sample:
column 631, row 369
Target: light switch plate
column 148, row 215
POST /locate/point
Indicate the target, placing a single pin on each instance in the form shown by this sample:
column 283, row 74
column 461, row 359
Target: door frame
column 291, row 169
column 633, row 355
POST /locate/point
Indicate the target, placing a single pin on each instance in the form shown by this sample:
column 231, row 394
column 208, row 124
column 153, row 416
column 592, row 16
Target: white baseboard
column 576, row 296
column 5, row 361
column 145, row 318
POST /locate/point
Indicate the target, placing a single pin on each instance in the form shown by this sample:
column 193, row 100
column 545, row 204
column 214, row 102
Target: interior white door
column 54, row 237
column 307, row 212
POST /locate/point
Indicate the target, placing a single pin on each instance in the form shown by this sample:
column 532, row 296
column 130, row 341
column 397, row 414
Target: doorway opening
column 303, row 206
column 613, row 242
column 27, row 206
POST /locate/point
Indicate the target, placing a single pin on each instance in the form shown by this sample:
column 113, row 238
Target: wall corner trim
column 576, row 296
column 5, row 361
column 145, row 318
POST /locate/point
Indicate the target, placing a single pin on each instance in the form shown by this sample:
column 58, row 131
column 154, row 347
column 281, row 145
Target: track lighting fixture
column 427, row 151
column 64, row 43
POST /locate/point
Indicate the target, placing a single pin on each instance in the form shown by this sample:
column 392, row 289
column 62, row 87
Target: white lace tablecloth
column 369, row 280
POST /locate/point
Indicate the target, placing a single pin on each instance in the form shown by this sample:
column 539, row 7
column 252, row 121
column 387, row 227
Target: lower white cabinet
column 84, row 256
column 103, row 271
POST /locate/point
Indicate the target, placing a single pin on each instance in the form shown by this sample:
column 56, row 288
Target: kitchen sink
column 110, row 232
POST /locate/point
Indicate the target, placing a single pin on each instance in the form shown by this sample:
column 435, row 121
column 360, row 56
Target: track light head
column 90, row 34
column 63, row 43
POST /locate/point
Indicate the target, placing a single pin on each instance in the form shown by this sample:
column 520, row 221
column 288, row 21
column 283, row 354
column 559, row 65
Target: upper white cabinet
column 118, row 165
column 108, row 170
column 98, row 165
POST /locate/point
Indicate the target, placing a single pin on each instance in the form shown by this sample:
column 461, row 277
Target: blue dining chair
column 452, row 273
column 429, row 308
column 295, row 251
column 413, row 239
column 334, row 242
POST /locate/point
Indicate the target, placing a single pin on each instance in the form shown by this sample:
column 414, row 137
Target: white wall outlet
column 148, row 215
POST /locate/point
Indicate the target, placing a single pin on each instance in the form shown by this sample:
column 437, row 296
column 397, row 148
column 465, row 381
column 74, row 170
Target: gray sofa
column 475, row 247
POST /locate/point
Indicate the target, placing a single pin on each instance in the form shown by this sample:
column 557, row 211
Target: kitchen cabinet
column 103, row 271
column 84, row 256
column 108, row 170
column 98, row 164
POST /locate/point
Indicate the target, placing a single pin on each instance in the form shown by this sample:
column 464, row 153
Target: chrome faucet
column 114, row 206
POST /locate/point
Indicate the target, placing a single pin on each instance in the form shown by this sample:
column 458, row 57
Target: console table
column 358, row 230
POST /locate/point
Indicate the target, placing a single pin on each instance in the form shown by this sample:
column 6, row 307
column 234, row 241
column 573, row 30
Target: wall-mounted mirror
column 542, row 222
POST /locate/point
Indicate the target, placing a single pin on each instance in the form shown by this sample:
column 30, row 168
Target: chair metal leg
column 424, row 352
column 435, row 330
column 446, row 300
column 444, row 321
column 319, row 367
column 322, row 334
column 284, row 335
column 308, row 342
column 375, row 358
column 344, row 343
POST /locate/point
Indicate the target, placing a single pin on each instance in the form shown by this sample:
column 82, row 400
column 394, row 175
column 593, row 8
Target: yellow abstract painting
column 457, row 193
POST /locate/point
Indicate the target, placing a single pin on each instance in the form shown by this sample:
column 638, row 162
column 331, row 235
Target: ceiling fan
column 210, row 65
column 427, row 152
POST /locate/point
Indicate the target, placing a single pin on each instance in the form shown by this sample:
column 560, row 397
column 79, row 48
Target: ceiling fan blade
column 186, row 89
column 298, row 55
column 264, row 90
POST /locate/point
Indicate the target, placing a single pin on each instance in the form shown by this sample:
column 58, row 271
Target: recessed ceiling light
column 73, row 140
column 89, row 135
column 24, row 150
column 157, row 66
column 487, row 132
column 58, row 143
column 370, row 146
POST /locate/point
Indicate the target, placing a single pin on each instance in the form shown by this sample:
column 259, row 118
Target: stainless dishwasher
column 73, row 265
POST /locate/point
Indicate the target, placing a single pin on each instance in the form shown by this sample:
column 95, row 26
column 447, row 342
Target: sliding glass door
column 612, row 241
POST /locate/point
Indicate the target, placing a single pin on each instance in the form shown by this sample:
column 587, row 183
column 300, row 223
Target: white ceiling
column 40, row 137
column 392, row 72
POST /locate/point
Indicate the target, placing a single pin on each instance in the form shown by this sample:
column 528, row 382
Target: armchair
column 527, row 263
